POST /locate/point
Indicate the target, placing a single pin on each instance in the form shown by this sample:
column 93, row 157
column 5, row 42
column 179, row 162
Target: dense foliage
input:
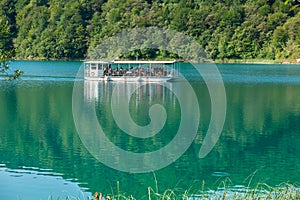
column 6, row 53
column 240, row 29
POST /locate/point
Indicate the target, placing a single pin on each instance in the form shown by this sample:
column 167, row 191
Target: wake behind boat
column 131, row 71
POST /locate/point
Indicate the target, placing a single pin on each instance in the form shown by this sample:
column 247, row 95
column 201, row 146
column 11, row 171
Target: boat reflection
column 139, row 91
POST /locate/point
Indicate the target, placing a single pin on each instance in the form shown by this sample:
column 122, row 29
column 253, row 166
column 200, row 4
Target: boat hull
column 129, row 79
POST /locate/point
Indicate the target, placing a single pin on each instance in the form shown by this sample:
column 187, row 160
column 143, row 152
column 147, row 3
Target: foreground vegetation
column 262, row 191
column 290, row 192
column 239, row 29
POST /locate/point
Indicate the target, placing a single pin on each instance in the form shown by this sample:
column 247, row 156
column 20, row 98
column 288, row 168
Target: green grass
column 262, row 191
column 224, row 189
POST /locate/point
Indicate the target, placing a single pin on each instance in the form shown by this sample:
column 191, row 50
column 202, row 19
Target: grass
column 262, row 191
column 225, row 190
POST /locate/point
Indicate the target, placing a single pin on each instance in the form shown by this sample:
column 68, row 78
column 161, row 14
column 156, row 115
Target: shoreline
column 217, row 61
column 257, row 61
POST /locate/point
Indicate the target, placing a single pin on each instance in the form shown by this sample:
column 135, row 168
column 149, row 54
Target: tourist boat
column 131, row 71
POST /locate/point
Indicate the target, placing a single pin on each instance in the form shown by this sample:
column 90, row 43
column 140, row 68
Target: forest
column 67, row 29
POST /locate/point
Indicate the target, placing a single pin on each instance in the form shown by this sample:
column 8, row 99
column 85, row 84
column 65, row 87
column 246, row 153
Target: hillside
column 238, row 29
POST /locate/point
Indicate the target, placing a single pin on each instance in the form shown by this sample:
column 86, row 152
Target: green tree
column 7, row 15
column 226, row 29
column 31, row 22
column 286, row 39
column 245, row 42
column 180, row 17
column 5, row 55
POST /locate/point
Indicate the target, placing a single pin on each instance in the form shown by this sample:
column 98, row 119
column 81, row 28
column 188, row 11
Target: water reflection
column 114, row 139
column 261, row 133
column 91, row 90
column 101, row 91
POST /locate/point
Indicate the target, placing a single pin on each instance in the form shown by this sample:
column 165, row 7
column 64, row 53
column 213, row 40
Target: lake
column 42, row 154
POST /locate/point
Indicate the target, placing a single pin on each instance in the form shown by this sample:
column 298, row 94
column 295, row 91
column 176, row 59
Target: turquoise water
column 41, row 153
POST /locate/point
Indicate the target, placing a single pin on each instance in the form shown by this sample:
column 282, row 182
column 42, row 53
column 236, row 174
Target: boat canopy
column 143, row 62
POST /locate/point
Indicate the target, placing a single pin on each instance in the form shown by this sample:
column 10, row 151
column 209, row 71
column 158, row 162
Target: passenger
column 109, row 71
column 142, row 71
column 105, row 71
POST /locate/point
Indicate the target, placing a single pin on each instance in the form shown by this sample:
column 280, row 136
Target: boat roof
column 132, row 62
column 97, row 61
column 143, row 62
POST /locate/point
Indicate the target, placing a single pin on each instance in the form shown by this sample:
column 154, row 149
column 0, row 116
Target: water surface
column 41, row 152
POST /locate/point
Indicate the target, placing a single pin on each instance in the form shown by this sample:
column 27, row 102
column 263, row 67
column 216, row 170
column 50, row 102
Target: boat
column 131, row 71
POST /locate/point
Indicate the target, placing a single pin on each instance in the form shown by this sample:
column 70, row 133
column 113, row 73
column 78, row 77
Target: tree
column 47, row 29
column 295, row 3
column 180, row 17
column 286, row 40
column 5, row 55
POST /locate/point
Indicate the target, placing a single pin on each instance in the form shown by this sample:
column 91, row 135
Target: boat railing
column 154, row 72
column 101, row 69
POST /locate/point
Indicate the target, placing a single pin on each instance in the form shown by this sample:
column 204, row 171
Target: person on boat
column 117, row 72
column 109, row 71
column 141, row 71
column 121, row 71
column 105, row 72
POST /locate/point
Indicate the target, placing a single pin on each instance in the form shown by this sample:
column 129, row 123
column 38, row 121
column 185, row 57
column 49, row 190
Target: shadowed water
column 261, row 135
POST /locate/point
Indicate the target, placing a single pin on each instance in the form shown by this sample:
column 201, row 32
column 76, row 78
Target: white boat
column 131, row 71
